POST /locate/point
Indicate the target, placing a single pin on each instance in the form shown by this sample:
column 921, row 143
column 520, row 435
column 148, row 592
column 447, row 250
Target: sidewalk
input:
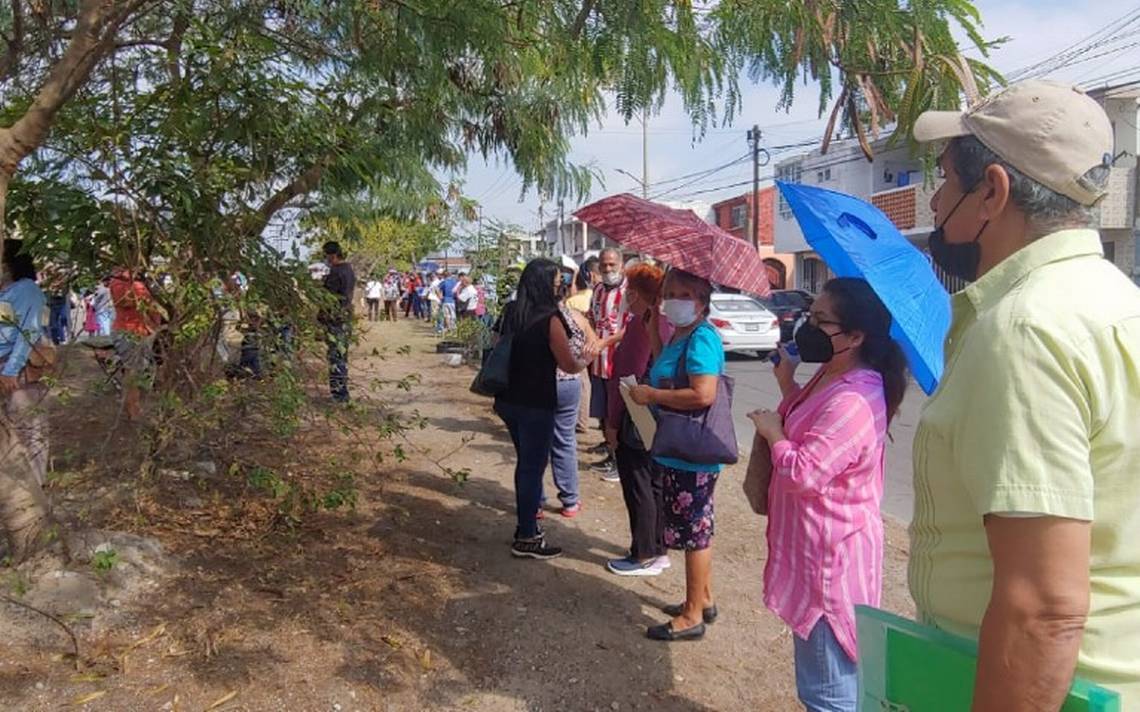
column 565, row 634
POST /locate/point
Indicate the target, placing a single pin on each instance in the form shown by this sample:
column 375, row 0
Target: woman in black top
column 541, row 342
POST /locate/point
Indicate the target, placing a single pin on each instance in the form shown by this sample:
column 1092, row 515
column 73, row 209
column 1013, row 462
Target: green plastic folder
column 908, row 667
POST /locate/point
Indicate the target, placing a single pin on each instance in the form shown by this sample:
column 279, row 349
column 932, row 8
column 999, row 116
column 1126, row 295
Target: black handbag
column 495, row 374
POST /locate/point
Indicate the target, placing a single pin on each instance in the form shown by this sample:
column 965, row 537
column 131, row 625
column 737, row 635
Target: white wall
column 1122, row 113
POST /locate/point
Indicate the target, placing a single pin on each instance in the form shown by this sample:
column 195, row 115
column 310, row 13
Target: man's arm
column 1031, row 632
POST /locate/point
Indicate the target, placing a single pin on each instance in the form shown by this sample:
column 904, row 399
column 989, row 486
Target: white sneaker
column 661, row 563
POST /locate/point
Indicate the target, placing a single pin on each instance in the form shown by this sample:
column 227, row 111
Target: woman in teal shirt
column 688, row 486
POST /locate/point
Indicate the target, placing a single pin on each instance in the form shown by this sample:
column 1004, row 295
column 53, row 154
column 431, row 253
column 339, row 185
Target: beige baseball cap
column 1054, row 133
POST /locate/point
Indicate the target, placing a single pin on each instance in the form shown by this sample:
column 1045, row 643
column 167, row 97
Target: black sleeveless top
column 532, row 382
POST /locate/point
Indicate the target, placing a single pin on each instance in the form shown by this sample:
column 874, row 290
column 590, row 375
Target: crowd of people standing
column 1025, row 456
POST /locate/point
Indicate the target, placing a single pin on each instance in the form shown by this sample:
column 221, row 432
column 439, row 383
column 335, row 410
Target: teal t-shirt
column 705, row 357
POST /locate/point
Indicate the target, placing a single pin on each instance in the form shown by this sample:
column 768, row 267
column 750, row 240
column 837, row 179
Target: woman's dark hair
column 19, row 263
column 859, row 309
column 590, row 265
column 536, row 297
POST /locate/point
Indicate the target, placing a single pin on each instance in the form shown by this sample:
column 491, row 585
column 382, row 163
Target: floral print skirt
column 689, row 519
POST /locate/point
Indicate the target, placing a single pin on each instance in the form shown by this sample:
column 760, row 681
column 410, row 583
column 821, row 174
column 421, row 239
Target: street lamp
column 643, row 184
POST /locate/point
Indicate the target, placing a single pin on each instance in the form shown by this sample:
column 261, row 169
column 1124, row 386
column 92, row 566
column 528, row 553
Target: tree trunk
column 25, row 512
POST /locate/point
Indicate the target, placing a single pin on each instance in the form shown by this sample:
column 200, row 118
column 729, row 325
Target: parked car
column 744, row 324
column 788, row 305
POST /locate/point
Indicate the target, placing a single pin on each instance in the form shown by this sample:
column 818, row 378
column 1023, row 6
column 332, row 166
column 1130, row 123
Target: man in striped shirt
column 608, row 319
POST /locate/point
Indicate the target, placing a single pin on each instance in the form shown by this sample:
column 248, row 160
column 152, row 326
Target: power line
column 703, row 176
column 1078, row 48
column 700, row 173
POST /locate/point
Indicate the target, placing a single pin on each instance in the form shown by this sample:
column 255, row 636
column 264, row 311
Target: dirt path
column 414, row 603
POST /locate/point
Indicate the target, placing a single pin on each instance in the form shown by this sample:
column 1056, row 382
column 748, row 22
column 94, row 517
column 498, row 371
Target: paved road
column 756, row 388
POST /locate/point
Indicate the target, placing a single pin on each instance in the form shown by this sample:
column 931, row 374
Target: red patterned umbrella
column 678, row 238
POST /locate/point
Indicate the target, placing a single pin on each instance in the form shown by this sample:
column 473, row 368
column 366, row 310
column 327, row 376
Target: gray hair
column 611, row 251
column 1046, row 210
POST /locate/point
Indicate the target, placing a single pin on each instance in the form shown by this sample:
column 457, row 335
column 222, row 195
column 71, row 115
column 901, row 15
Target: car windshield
column 737, row 304
column 789, row 299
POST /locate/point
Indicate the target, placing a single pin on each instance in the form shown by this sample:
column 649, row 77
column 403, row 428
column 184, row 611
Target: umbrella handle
column 849, row 220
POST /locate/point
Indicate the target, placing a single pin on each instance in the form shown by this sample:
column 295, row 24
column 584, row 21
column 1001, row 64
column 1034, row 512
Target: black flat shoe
column 665, row 632
column 708, row 614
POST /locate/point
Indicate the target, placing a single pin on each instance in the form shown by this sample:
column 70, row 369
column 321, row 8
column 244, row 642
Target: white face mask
column 611, row 279
column 680, row 312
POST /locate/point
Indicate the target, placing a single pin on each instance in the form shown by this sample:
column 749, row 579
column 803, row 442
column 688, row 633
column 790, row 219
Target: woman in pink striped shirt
column 825, row 532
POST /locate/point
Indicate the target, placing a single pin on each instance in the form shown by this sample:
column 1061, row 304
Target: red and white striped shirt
column 608, row 318
column 825, row 532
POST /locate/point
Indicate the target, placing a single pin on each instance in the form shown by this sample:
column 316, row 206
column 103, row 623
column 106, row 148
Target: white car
column 744, row 324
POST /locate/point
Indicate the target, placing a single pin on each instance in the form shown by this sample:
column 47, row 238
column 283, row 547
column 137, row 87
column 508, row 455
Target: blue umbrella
column 855, row 239
column 428, row 266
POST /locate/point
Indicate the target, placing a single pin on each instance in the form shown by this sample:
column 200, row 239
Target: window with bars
column 739, row 215
column 792, row 173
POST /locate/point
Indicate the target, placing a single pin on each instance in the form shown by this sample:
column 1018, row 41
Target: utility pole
column 561, row 205
column 754, row 143
column 479, row 234
column 645, row 153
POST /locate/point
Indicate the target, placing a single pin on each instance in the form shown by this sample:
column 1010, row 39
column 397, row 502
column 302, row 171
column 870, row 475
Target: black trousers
column 644, row 500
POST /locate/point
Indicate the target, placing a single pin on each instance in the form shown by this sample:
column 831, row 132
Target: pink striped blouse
column 825, row 532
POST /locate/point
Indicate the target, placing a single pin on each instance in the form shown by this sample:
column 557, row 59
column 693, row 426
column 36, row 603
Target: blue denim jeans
column 564, row 447
column 58, row 322
column 337, row 338
column 826, row 679
column 532, row 432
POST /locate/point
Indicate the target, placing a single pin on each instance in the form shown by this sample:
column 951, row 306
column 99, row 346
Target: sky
column 1036, row 30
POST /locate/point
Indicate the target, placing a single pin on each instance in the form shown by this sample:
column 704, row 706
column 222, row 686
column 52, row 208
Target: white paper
column 642, row 417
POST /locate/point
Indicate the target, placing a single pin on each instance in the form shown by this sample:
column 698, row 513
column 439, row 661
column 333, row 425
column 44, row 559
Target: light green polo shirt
column 1038, row 411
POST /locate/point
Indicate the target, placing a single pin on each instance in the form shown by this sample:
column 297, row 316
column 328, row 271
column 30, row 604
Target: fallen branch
column 51, row 617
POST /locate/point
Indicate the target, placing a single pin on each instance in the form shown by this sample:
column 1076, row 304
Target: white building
column 574, row 239
column 895, row 182
column 894, row 172
column 529, row 245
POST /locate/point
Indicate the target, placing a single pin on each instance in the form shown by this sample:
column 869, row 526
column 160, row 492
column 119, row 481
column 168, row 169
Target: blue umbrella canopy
column 856, row 239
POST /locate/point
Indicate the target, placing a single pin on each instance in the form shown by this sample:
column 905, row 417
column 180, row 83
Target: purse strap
column 681, row 370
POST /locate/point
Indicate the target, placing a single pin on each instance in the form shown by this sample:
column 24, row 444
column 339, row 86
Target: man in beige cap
column 1026, row 530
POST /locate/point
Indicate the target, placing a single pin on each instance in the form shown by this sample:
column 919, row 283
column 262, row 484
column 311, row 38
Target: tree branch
column 580, row 20
column 10, row 63
column 97, row 23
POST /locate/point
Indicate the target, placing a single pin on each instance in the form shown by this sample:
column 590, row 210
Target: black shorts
column 598, row 396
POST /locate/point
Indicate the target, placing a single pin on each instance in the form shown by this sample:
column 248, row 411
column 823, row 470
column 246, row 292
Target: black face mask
column 815, row 344
column 959, row 259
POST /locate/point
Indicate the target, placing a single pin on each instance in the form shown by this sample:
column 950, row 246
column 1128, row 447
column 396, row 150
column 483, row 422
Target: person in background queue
column 447, row 297
column 540, row 344
column 687, row 486
column 1027, row 494
column 607, row 316
column 466, row 298
column 104, row 309
column 564, row 449
column 433, row 301
column 580, row 301
column 373, row 292
column 828, row 443
column 641, row 489
column 133, row 332
column 337, row 319
column 411, row 295
column 392, row 286
column 23, row 352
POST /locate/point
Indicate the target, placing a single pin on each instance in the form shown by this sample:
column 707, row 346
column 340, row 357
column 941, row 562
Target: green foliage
column 17, row 583
column 103, row 561
column 475, row 337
